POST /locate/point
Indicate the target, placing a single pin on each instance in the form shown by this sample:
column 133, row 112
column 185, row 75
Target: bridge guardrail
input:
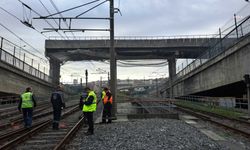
column 232, row 103
column 223, row 43
column 134, row 37
column 9, row 100
column 20, row 64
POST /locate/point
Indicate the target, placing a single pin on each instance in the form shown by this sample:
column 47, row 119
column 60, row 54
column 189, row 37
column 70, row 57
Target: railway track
column 14, row 123
column 41, row 135
column 236, row 125
column 239, row 126
column 9, row 112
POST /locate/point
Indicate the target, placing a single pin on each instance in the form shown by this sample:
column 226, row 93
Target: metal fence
column 23, row 63
column 9, row 100
column 220, row 45
column 232, row 103
column 206, row 36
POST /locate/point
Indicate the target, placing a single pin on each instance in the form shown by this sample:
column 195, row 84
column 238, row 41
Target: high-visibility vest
column 106, row 100
column 92, row 107
column 27, row 100
column 103, row 94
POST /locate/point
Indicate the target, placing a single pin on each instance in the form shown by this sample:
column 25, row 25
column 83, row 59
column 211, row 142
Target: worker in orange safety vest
column 107, row 100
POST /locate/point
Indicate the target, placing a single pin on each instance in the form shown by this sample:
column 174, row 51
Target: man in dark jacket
column 27, row 102
column 57, row 100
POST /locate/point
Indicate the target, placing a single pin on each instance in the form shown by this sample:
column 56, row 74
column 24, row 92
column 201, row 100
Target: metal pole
column 101, row 82
column 44, row 73
column 31, row 67
column 108, row 80
column 157, row 89
column 81, row 82
column 14, row 59
column 113, row 71
column 235, row 22
column 248, row 97
column 86, row 76
column 220, row 39
column 247, row 81
column 39, row 72
column 1, row 46
column 32, row 61
column 241, row 30
column 23, row 60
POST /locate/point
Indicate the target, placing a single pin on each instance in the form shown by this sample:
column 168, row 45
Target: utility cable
column 91, row 8
column 123, row 64
column 22, row 21
column 143, row 64
column 49, row 13
column 41, row 16
column 72, row 8
column 54, row 5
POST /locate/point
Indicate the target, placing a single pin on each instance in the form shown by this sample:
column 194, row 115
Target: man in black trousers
column 107, row 100
column 89, row 107
column 57, row 100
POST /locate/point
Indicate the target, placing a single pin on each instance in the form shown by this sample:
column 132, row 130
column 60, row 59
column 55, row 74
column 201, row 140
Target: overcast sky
column 139, row 18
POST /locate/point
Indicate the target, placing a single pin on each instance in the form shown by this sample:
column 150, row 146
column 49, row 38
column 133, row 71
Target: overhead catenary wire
column 72, row 8
column 40, row 16
column 124, row 63
column 54, row 5
column 49, row 13
column 21, row 21
column 129, row 64
column 91, row 8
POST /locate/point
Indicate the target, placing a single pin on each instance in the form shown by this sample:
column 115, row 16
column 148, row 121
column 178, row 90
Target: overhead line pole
column 113, row 71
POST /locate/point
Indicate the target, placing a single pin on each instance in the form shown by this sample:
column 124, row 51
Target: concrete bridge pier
column 55, row 71
column 172, row 73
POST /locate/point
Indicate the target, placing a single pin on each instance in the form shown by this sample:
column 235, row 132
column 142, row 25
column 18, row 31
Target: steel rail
column 208, row 118
column 70, row 134
column 33, row 131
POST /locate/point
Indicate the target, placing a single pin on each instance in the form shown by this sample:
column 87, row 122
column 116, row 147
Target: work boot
column 89, row 133
column 55, row 126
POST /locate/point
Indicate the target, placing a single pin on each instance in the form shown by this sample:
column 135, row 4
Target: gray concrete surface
column 227, row 68
column 14, row 81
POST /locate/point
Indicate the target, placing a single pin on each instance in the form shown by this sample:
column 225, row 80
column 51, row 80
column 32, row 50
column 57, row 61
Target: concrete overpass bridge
column 97, row 48
column 126, row 48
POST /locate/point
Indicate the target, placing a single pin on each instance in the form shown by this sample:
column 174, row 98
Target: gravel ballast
column 150, row 134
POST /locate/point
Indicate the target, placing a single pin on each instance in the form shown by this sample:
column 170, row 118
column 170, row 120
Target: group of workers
column 88, row 105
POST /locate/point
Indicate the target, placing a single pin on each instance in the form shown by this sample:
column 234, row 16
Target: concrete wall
column 14, row 81
column 226, row 69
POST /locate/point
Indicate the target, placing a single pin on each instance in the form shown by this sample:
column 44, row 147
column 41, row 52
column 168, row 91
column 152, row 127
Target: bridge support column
column 172, row 73
column 55, row 71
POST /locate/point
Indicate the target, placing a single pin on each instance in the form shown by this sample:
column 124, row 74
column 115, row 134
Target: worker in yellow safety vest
column 26, row 105
column 89, row 107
